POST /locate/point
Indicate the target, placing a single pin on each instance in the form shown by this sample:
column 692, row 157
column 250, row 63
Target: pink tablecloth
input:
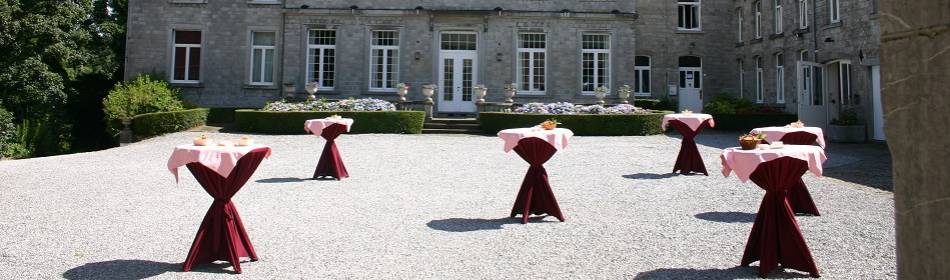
column 218, row 158
column 775, row 133
column 556, row 137
column 691, row 120
column 316, row 126
column 743, row 163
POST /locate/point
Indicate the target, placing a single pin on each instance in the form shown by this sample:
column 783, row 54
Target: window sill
column 776, row 36
column 186, row 84
column 689, row 31
column 833, row 25
column 756, row 41
column 642, row 94
column 263, row 2
column 531, row 93
column 740, row 44
column 252, row 86
column 802, row 30
column 380, row 93
column 188, row 1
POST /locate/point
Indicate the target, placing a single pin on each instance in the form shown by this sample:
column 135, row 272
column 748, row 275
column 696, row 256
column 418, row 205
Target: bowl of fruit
column 203, row 140
column 549, row 124
column 751, row 141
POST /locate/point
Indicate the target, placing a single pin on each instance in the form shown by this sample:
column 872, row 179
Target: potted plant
column 480, row 92
column 624, row 93
column 428, row 91
column 510, row 91
column 401, row 90
column 847, row 127
column 601, row 93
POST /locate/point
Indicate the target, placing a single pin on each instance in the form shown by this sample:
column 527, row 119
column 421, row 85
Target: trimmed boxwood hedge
column 747, row 122
column 581, row 124
column 256, row 121
column 153, row 124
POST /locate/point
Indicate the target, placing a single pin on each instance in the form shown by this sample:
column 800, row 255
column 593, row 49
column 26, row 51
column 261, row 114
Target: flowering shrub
column 365, row 104
column 565, row 108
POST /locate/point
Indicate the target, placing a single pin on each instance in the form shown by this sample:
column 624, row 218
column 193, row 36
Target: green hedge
column 255, row 121
column 153, row 124
column 746, row 122
column 587, row 125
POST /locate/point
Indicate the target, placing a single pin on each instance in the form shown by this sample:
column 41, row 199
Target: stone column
column 916, row 78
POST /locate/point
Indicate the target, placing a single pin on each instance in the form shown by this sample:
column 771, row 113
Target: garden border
column 268, row 122
column 581, row 124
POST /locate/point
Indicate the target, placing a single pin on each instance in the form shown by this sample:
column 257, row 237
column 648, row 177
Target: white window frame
column 803, row 55
column 188, row 49
column 759, row 86
column 532, row 68
column 779, row 21
column 683, row 5
column 739, row 22
column 321, row 52
column 780, row 78
column 597, row 53
column 757, row 24
column 803, row 14
column 263, row 49
column 741, row 64
column 385, row 49
column 643, row 79
column 834, row 10
column 844, row 77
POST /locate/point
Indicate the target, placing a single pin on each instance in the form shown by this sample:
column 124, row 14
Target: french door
column 812, row 98
column 691, row 89
column 457, row 77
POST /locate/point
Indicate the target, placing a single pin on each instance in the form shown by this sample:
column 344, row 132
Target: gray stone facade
column 645, row 28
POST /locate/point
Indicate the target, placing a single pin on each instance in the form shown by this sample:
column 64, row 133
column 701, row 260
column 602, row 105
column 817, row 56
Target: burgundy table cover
column 330, row 164
column 689, row 159
column 775, row 237
column 535, row 196
column 798, row 195
column 222, row 235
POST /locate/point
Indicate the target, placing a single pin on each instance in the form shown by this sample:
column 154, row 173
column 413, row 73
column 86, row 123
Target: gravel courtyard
column 429, row 206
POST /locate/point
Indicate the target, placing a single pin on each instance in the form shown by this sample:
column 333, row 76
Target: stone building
column 242, row 53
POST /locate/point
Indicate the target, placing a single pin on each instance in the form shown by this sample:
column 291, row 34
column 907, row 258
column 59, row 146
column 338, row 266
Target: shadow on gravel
column 281, row 180
column 650, row 176
column 727, row 217
column 467, row 225
column 731, row 273
column 120, row 269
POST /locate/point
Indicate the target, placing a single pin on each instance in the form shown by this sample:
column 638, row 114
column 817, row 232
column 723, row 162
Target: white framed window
column 321, row 57
column 532, row 59
column 739, row 21
column 803, row 14
column 595, row 62
column 844, row 85
column 186, row 56
column 778, row 24
column 262, row 57
column 759, row 96
column 757, row 23
column 384, row 60
column 641, row 69
column 741, row 65
column 689, row 15
column 779, row 78
column 834, row 10
column 803, row 55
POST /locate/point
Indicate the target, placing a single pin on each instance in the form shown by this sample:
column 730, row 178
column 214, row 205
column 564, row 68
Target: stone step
column 452, row 125
column 454, row 120
column 451, row 131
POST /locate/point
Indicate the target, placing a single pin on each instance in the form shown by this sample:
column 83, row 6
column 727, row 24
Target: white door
column 691, row 89
column 457, row 71
column 812, row 98
column 878, row 106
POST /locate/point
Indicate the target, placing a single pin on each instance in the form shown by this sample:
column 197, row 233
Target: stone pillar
column 916, row 72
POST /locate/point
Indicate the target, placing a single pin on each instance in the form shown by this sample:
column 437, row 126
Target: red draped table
column 775, row 237
column 330, row 163
column 536, row 146
column 689, row 125
column 798, row 195
column 221, row 171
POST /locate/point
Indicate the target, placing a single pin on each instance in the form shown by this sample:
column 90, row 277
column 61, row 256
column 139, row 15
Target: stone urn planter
column 600, row 93
column 624, row 93
column 428, row 91
column 312, row 88
column 510, row 91
column 480, row 92
column 402, row 90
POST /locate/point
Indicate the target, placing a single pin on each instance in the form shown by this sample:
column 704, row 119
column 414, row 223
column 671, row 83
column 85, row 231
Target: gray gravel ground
column 425, row 206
